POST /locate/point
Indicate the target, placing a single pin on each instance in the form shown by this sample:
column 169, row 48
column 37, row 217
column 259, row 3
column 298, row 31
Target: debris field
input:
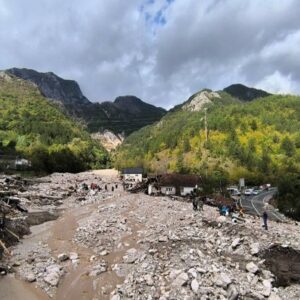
column 101, row 242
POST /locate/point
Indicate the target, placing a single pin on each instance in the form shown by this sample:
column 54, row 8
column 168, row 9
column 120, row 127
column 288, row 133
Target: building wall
column 186, row 190
column 168, row 190
column 152, row 190
column 133, row 177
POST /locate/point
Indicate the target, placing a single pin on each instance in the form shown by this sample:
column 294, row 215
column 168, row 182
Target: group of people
column 96, row 187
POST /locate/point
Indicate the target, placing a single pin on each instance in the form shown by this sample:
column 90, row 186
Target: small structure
column 10, row 162
column 133, row 174
column 22, row 163
column 174, row 184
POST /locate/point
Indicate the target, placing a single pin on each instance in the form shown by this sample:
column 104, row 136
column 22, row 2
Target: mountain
column 203, row 98
column 258, row 140
column 245, row 93
column 52, row 86
column 125, row 115
column 31, row 126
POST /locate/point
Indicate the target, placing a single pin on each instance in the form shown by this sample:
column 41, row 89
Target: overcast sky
column 159, row 50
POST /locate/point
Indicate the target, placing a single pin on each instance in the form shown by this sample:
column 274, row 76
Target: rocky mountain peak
column 52, row 86
column 128, row 99
column 199, row 100
column 245, row 93
column 135, row 105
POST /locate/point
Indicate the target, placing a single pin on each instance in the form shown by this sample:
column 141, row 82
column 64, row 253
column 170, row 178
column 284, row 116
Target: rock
column 273, row 296
column 195, row 286
column 152, row 251
column 52, row 279
column 98, row 269
column 201, row 270
column 104, row 253
column 254, row 248
column 30, row 277
column 73, row 256
column 180, row 280
column 251, row 267
column 149, row 280
column 222, row 280
column 267, row 274
column 30, row 260
column 92, row 258
column 235, row 243
column 174, row 273
column 163, row 239
column 116, row 297
column 63, row 257
column 221, row 219
column 131, row 256
column 53, row 274
column 267, row 288
column 193, row 272
column 256, row 295
column 232, row 292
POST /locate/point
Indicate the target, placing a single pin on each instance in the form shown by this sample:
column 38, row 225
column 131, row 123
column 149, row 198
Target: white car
column 248, row 192
column 234, row 191
column 256, row 192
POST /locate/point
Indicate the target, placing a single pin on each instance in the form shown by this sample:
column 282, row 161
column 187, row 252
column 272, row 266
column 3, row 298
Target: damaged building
column 133, row 174
column 174, row 184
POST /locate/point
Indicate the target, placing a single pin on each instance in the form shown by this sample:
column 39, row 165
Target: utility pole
column 205, row 122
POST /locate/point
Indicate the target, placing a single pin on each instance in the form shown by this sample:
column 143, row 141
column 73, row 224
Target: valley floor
column 116, row 245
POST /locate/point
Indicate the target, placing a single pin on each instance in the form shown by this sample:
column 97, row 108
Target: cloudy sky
column 159, row 50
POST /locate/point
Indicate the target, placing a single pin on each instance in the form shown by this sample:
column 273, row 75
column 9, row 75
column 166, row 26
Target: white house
column 22, row 162
column 168, row 190
column 133, row 174
column 186, row 190
column 175, row 184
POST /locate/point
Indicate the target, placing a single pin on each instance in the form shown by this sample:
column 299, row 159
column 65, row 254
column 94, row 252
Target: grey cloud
column 118, row 47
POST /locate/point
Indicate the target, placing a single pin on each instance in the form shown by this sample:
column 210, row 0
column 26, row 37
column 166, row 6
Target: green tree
column 288, row 146
column 288, row 198
column 186, row 145
column 265, row 162
column 253, row 125
column 180, row 168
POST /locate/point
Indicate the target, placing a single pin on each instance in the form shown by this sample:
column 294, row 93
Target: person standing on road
column 265, row 219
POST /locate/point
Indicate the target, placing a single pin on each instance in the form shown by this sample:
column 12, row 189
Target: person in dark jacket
column 194, row 201
column 265, row 219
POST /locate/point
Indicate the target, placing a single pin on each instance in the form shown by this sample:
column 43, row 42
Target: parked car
column 265, row 187
column 233, row 191
column 248, row 192
column 256, row 191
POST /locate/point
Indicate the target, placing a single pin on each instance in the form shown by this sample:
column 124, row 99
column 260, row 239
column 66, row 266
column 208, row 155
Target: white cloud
column 278, row 83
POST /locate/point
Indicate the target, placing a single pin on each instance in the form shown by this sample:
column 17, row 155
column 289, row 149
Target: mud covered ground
column 284, row 262
column 115, row 245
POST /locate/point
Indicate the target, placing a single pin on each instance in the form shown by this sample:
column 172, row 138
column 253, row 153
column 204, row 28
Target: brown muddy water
column 76, row 283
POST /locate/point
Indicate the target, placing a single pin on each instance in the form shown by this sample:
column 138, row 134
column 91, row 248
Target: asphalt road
column 255, row 205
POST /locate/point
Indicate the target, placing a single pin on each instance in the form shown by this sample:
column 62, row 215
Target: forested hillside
column 33, row 127
column 258, row 140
